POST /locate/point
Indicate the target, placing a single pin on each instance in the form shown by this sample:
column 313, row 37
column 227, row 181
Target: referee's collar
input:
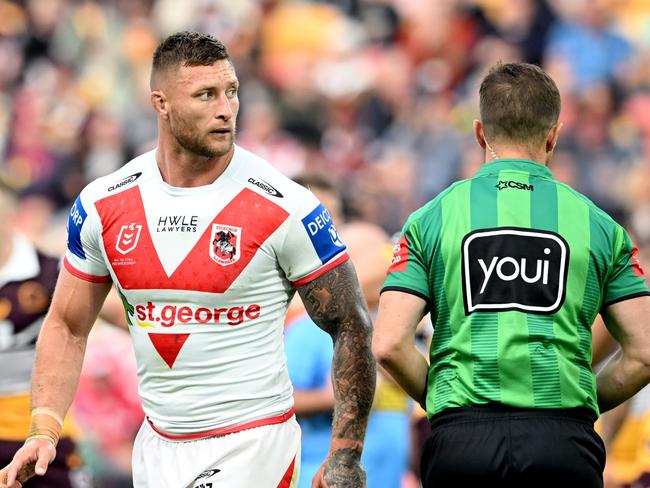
column 525, row 165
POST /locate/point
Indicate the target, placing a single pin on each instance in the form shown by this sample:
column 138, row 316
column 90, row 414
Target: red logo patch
column 400, row 256
column 636, row 264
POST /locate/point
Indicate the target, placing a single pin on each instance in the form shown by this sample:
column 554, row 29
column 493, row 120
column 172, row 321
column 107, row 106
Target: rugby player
column 206, row 244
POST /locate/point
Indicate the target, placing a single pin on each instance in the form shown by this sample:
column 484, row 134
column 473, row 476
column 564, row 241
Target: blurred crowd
column 377, row 94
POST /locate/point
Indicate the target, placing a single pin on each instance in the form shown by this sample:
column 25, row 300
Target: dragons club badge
column 225, row 244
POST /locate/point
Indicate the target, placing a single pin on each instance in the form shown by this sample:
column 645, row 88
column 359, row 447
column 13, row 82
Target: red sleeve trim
column 221, row 431
column 86, row 277
column 321, row 271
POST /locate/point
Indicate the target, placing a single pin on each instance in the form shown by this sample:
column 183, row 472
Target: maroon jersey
column 26, row 285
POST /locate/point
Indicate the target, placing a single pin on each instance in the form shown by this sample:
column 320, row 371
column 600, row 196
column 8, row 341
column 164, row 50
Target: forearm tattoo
column 334, row 301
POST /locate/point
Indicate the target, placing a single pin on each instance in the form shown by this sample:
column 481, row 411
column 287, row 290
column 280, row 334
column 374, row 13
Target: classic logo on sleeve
column 225, row 245
column 125, row 181
column 323, row 234
column 514, row 269
column 267, row 187
column 76, row 220
column 128, row 238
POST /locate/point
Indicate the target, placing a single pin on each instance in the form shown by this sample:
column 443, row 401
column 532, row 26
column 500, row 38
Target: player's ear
column 478, row 133
column 159, row 103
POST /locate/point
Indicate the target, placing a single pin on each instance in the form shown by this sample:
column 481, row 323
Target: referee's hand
column 341, row 469
column 30, row 460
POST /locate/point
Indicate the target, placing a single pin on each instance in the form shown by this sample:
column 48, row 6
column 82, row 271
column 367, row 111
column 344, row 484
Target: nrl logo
column 128, row 238
column 225, row 244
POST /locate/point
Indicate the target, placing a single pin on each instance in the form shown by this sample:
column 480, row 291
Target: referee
column 513, row 267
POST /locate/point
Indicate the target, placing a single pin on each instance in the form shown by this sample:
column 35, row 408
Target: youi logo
column 514, row 269
column 323, row 234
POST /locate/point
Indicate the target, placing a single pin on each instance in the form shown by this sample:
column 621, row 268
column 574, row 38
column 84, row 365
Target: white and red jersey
column 205, row 275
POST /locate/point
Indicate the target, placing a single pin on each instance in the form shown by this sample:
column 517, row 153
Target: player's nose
column 224, row 109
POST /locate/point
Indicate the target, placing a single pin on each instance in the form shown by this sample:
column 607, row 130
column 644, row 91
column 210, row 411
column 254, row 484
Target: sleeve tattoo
column 335, row 303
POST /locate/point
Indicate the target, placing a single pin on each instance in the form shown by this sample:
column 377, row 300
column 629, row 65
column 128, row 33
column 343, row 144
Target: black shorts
column 513, row 448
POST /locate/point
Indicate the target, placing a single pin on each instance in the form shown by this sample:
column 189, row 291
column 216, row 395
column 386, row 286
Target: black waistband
column 494, row 411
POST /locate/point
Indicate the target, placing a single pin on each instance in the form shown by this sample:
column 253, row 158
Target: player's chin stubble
column 198, row 145
column 193, row 141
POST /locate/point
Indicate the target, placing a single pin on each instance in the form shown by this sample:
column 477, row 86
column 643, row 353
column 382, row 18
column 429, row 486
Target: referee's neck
column 504, row 152
column 507, row 148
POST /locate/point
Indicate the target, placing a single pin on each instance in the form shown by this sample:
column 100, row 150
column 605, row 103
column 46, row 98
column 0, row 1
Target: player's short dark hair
column 318, row 181
column 187, row 48
column 519, row 103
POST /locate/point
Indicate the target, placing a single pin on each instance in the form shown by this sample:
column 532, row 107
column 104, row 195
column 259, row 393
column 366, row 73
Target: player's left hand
column 32, row 459
column 341, row 469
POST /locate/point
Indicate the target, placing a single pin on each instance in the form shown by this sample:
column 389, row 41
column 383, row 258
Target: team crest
column 128, row 238
column 225, row 244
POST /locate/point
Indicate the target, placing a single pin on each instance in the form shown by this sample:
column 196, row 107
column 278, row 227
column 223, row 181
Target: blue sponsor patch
column 76, row 221
column 323, row 234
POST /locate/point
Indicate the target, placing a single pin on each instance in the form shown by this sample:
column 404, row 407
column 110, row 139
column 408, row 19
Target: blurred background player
column 309, row 359
column 388, row 442
column 27, row 279
column 309, row 354
column 107, row 407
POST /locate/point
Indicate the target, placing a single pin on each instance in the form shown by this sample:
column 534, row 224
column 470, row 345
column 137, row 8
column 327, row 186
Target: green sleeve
column 409, row 268
column 627, row 279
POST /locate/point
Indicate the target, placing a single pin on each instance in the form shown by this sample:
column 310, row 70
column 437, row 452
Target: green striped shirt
column 515, row 266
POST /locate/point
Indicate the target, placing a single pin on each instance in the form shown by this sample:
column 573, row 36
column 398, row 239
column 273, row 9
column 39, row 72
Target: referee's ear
column 478, row 134
column 552, row 137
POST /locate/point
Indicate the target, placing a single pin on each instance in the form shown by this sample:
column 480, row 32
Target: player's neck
column 184, row 170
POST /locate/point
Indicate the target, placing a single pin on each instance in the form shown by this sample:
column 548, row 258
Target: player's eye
column 206, row 95
column 232, row 92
